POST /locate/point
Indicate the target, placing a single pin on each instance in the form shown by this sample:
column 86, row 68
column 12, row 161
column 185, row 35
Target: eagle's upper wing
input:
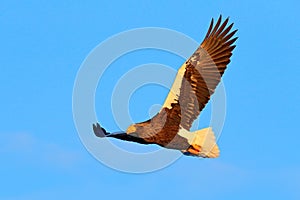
column 199, row 76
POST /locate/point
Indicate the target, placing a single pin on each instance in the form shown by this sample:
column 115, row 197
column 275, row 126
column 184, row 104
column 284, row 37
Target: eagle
column 195, row 82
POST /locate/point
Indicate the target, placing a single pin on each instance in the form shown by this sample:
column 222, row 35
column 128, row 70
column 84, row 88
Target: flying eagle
column 195, row 82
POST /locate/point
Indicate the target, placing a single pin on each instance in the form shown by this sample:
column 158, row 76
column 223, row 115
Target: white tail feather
column 205, row 138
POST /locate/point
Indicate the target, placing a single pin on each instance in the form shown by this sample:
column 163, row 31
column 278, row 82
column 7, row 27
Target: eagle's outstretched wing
column 199, row 76
column 101, row 132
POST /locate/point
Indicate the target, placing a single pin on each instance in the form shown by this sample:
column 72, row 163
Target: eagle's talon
column 194, row 149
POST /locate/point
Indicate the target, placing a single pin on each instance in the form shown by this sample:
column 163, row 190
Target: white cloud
column 37, row 151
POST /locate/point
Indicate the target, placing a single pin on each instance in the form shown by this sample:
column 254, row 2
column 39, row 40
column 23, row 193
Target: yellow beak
column 131, row 129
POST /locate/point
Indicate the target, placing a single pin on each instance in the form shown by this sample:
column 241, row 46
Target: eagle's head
column 140, row 130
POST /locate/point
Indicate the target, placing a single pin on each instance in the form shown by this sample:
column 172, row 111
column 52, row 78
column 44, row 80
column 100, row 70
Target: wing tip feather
column 219, row 30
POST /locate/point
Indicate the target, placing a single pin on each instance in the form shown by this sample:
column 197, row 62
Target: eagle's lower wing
column 101, row 132
column 199, row 76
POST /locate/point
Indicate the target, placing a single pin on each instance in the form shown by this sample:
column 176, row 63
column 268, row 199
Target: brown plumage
column 195, row 82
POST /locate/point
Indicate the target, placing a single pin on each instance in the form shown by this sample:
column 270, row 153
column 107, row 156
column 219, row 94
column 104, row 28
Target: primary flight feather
column 195, row 82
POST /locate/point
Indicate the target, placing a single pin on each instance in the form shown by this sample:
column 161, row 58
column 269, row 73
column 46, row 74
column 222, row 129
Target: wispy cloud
column 36, row 150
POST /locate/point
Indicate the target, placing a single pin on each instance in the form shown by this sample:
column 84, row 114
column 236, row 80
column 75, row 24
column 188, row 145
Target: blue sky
column 43, row 44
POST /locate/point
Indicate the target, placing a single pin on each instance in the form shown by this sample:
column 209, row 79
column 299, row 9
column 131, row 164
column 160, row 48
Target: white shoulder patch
column 175, row 89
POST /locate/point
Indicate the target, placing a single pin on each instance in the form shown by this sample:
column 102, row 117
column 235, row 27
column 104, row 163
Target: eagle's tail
column 206, row 139
column 203, row 144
